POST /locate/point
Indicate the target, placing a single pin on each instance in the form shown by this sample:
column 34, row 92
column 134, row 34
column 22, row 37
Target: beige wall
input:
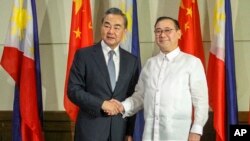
column 54, row 18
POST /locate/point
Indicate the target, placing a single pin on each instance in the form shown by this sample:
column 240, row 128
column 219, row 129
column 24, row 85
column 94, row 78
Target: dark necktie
column 111, row 69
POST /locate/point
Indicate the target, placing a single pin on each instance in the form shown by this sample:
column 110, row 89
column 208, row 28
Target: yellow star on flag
column 189, row 11
column 78, row 5
column 187, row 26
column 90, row 25
column 182, row 5
column 77, row 33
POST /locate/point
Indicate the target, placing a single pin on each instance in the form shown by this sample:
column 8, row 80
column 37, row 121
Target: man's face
column 113, row 30
column 166, row 35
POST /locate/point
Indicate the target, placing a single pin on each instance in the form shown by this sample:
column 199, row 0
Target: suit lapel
column 100, row 61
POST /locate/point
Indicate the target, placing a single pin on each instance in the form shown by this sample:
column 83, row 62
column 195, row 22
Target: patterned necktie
column 111, row 69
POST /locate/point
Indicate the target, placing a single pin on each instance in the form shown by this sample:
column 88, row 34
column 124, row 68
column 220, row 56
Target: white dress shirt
column 168, row 86
column 116, row 57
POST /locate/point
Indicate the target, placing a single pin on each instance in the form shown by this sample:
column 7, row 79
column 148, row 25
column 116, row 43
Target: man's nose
column 111, row 30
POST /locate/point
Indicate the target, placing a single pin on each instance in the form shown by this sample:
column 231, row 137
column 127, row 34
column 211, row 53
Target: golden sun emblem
column 20, row 19
column 219, row 16
column 128, row 13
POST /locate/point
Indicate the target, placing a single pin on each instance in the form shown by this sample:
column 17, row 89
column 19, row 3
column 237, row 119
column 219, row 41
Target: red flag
column 189, row 20
column 21, row 61
column 81, row 35
column 216, row 70
column 216, row 90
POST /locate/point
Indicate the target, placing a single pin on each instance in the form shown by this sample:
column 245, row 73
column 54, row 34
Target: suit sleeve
column 77, row 87
column 133, row 82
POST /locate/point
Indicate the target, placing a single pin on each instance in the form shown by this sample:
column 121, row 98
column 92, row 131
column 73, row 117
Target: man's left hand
column 128, row 138
column 194, row 137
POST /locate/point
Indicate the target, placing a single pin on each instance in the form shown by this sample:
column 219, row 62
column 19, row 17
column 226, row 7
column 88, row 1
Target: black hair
column 176, row 23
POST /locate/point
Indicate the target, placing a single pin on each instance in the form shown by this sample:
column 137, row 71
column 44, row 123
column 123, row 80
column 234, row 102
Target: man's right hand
column 120, row 106
column 111, row 107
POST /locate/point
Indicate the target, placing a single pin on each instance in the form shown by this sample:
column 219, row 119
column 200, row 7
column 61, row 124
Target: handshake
column 112, row 107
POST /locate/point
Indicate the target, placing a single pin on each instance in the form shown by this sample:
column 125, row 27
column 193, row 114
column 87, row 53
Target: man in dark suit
column 93, row 82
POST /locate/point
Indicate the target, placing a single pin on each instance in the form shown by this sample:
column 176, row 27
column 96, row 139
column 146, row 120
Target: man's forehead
column 165, row 23
column 113, row 19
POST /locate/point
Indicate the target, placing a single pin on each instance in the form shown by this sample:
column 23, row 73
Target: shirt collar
column 171, row 55
column 106, row 48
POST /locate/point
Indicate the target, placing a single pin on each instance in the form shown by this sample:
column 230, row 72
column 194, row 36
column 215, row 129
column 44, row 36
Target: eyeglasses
column 158, row 32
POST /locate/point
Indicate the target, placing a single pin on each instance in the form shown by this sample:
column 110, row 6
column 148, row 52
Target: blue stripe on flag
column 231, row 95
column 139, row 126
column 135, row 34
column 139, row 122
column 37, row 61
column 16, row 121
column 230, row 68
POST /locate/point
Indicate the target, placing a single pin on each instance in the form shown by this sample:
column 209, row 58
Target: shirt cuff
column 126, row 106
column 197, row 129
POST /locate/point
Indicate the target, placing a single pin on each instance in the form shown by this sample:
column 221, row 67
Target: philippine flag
column 21, row 61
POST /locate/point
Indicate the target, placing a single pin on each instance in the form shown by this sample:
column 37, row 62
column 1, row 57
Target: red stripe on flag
column 11, row 62
column 216, row 89
column 22, row 70
column 28, row 102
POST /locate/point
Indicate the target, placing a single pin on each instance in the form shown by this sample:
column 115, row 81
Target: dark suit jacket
column 89, row 85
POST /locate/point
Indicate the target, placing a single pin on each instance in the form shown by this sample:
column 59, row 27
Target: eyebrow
column 164, row 28
column 116, row 25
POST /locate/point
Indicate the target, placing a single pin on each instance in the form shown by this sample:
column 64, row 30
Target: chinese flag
column 81, row 35
column 189, row 21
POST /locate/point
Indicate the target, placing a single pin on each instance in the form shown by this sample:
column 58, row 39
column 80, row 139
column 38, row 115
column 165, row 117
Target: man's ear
column 125, row 30
column 179, row 34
